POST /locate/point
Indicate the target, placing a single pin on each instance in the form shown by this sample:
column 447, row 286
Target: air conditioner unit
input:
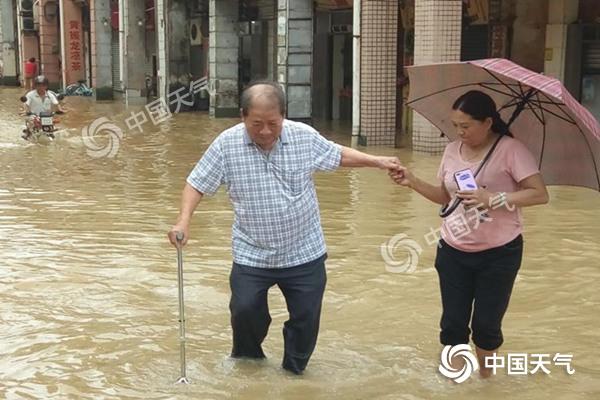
column 196, row 32
column 26, row 13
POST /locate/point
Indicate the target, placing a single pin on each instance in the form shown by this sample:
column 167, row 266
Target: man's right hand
column 388, row 163
column 179, row 227
column 189, row 200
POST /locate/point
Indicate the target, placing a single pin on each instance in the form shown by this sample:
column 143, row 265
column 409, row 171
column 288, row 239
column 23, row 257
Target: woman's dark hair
column 481, row 106
column 32, row 59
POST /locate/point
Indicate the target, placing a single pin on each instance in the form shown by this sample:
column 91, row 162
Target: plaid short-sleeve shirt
column 277, row 222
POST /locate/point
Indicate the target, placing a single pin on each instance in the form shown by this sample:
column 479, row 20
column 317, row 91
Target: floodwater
column 88, row 289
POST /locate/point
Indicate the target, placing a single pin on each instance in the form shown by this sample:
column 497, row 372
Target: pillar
column 294, row 55
column 529, row 31
column 27, row 43
column 378, row 69
column 162, row 47
column 356, row 73
column 101, row 32
column 267, row 13
column 3, row 11
column 8, row 48
column 135, row 53
column 223, row 52
column 178, row 41
column 73, row 47
column 561, row 13
column 437, row 39
column 50, row 48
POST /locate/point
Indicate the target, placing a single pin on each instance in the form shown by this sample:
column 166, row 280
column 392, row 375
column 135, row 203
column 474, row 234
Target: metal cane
column 183, row 378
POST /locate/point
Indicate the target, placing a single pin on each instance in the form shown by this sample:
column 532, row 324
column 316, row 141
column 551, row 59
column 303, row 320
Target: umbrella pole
column 521, row 106
column 182, row 378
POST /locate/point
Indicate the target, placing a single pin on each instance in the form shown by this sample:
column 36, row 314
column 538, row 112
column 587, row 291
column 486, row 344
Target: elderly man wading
column 266, row 163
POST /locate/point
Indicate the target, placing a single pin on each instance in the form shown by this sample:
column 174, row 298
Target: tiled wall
column 561, row 13
column 223, row 58
column 49, row 47
column 294, row 55
column 2, row 11
column 73, row 64
column 161, row 48
column 101, row 43
column 437, row 39
column 378, row 59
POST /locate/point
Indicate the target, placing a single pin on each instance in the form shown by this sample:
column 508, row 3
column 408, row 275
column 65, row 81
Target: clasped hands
column 399, row 174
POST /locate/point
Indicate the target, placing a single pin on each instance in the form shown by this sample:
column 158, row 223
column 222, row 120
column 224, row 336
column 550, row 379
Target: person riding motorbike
column 40, row 100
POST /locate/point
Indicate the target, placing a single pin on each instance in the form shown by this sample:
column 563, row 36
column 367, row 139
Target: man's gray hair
column 271, row 90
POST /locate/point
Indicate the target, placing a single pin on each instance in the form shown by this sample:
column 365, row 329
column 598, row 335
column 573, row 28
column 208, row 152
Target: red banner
column 74, row 48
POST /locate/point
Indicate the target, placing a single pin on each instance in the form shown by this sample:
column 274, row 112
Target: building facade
column 559, row 38
column 8, row 44
column 338, row 60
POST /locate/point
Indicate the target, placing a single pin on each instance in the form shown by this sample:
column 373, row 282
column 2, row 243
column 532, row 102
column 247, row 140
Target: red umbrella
column 562, row 135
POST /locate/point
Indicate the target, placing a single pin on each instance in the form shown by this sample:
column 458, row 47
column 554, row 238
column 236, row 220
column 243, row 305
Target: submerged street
column 88, row 288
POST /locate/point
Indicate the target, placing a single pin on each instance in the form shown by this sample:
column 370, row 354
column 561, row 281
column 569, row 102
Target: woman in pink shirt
column 481, row 247
column 30, row 73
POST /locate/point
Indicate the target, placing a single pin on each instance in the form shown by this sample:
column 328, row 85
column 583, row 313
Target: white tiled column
column 162, row 48
column 294, row 55
column 378, row 68
column 224, row 43
column 7, row 44
column 437, row 39
column 136, row 52
column 101, row 49
column 2, row 12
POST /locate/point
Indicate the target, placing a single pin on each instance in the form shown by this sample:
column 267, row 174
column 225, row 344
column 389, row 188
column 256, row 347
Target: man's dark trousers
column 302, row 286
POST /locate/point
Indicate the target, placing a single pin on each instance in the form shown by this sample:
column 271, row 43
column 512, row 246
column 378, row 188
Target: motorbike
column 40, row 127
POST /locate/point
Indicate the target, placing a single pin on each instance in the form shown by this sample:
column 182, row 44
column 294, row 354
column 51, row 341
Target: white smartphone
column 465, row 180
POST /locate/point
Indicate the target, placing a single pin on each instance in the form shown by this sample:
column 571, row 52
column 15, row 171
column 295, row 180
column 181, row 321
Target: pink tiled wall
column 50, row 46
column 75, row 49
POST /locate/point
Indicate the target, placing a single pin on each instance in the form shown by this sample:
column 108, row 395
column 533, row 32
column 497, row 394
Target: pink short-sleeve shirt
column 472, row 230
